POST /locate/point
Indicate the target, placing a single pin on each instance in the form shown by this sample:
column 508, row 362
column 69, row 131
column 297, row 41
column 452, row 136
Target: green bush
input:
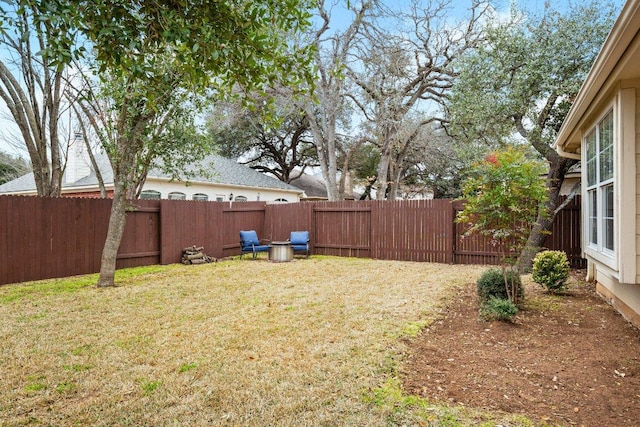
column 491, row 284
column 551, row 270
column 498, row 309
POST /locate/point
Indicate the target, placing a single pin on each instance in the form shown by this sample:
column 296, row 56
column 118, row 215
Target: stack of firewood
column 195, row 255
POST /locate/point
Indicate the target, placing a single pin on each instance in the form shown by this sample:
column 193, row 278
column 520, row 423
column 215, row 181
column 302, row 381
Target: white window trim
column 598, row 251
column 625, row 192
column 623, row 264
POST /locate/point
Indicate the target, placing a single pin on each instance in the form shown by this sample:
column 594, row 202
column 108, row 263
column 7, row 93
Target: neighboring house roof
column 223, row 171
column 23, row 183
column 313, row 187
column 230, row 172
column 619, row 59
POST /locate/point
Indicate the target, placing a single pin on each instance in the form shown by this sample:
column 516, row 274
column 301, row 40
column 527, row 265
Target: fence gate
column 342, row 230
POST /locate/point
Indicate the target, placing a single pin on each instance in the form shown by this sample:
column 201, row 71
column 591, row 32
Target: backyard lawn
column 250, row 343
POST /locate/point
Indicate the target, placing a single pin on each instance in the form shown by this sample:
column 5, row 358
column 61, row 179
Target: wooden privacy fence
column 406, row 230
column 58, row 237
column 409, row 230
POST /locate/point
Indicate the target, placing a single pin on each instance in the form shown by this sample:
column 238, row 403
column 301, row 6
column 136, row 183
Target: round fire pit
column 280, row 252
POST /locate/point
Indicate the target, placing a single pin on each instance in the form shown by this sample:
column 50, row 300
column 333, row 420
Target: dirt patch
column 566, row 360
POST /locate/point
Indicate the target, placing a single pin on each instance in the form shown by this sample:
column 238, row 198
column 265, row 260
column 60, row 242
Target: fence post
column 452, row 230
column 374, row 224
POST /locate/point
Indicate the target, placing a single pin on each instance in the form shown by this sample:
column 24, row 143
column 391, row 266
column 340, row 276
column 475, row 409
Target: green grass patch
column 545, row 303
column 42, row 288
column 412, row 329
column 187, row 367
column 147, row 386
column 49, row 287
column 391, row 396
column 401, row 407
column 65, row 387
column 81, row 350
column 125, row 274
column 35, row 386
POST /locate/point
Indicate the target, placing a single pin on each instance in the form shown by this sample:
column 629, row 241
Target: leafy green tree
column 11, row 167
column 281, row 144
column 151, row 55
column 209, row 45
column 440, row 163
column 503, row 194
column 520, row 85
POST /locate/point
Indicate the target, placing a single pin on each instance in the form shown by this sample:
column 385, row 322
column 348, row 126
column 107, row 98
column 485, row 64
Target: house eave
column 85, row 189
column 607, row 70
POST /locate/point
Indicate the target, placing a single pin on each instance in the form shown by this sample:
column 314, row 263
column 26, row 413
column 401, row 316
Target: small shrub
column 498, row 309
column 491, row 284
column 551, row 270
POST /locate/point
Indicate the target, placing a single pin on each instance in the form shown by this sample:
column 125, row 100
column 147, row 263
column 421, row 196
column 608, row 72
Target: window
column 219, row 198
column 240, row 199
column 200, row 197
column 150, row 195
column 600, row 199
column 176, row 195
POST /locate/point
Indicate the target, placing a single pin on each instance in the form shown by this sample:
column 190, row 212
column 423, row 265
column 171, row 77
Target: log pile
column 195, row 255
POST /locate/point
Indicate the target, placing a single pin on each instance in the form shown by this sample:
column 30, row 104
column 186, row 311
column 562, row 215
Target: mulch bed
column 566, row 360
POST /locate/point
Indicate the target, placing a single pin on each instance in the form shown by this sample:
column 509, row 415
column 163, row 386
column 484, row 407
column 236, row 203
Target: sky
column 8, row 128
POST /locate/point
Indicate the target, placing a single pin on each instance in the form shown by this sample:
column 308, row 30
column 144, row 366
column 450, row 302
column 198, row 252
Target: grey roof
column 312, row 186
column 230, row 172
column 222, row 171
column 23, row 183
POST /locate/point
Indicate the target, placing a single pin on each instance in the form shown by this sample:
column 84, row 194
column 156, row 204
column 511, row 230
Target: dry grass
column 246, row 343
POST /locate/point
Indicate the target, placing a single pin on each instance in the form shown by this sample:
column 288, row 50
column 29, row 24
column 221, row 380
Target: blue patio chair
column 300, row 241
column 249, row 242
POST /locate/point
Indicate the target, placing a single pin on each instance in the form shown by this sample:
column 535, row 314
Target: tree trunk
column 117, row 221
column 558, row 167
column 383, row 175
column 323, row 132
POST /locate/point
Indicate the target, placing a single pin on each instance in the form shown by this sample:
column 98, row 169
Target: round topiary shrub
column 491, row 284
column 551, row 270
column 498, row 309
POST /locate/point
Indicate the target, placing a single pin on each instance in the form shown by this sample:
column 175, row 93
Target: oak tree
column 519, row 86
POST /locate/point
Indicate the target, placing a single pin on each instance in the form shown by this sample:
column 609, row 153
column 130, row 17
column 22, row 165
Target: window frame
column 200, row 197
column 600, row 189
column 145, row 195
